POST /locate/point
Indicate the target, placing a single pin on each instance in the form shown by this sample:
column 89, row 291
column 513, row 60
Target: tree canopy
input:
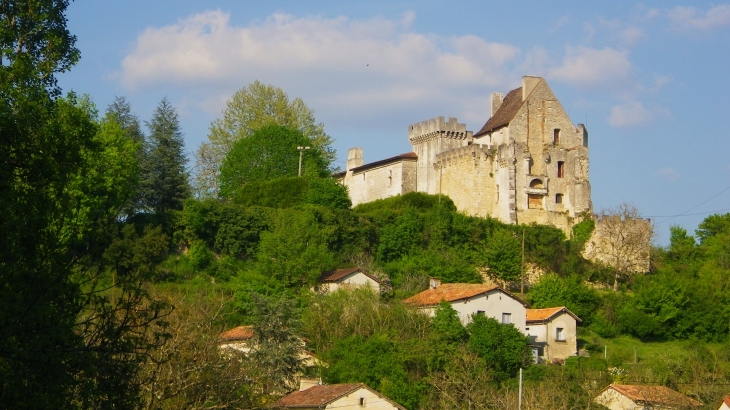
column 249, row 109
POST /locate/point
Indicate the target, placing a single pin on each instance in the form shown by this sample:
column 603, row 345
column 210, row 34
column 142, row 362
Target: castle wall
column 380, row 182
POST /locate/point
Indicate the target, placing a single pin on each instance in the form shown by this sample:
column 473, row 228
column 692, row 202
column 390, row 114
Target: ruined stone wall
column 624, row 244
column 430, row 138
column 381, row 182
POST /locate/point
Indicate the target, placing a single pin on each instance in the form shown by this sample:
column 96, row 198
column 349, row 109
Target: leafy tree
column 447, row 333
column 249, row 109
column 269, row 153
column 503, row 255
column 293, row 191
column 712, row 226
column 504, row 348
column 165, row 184
column 553, row 291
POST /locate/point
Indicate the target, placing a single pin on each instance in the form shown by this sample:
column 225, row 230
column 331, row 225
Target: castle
column 527, row 164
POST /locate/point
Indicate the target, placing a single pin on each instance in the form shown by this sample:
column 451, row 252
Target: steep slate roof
column 334, row 276
column 320, row 396
column 510, row 105
column 654, row 394
column 237, row 333
column 541, row 315
column 407, row 156
column 451, row 292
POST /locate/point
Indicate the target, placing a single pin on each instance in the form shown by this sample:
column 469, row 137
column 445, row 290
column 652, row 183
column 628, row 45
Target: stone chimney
column 434, row 283
column 528, row 84
column 305, row 383
column 354, row 158
column 497, row 99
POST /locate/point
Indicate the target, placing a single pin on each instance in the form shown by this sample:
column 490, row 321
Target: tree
column 165, row 184
column 503, row 255
column 622, row 240
column 249, row 109
column 504, row 348
column 269, row 153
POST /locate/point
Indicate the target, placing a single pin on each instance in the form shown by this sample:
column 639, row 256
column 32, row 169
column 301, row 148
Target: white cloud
column 592, row 68
column 345, row 64
column 668, row 173
column 634, row 114
column 689, row 18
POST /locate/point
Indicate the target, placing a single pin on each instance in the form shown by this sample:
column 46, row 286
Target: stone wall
column 395, row 178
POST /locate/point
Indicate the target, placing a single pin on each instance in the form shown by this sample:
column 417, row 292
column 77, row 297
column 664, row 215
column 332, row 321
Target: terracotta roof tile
column 726, row 400
column 655, row 394
column 451, row 292
column 317, row 396
column 334, row 276
column 407, row 156
column 237, row 333
column 506, row 112
column 540, row 315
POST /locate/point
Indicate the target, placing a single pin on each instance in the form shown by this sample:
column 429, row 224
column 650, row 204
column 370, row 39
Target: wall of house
column 615, row 400
column 352, row 280
column 388, row 180
column 493, row 304
column 547, row 332
column 352, row 401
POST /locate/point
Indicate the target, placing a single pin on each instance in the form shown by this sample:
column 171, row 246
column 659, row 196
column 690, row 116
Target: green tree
column 249, row 109
column 165, row 184
column 504, row 348
column 503, row 255
column 269, row 153
column 553, row 291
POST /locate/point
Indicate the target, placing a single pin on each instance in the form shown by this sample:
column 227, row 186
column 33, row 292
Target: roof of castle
column 335, row 275
column 320, row 396
column 407, row 156
column 654, row 394
column 542, row 315
column 451, row 292
column 505, row 113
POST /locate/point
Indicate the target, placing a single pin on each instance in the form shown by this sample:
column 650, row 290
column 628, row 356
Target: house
column 725, row 405
column 355, row 396
column 469, row 299
column 528, row 163
column 344, row 278
column 239, row 339
column 632, row 397
column 552, row 332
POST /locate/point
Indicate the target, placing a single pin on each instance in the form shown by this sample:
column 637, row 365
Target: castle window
column 497, row 193
column 536, row 183
column 558, row 198
column 561, row 169
column 556, row 136
column 390, row 178
column 534, row 201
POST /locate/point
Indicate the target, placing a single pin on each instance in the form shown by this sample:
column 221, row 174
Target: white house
column 632, row 397
column 354, row 396
column 552, row 332
column 239, row 339
column 469, row 299
column 344, row 278
column 725, row 403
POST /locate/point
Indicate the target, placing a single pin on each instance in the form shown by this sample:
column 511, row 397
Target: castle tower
column 430, row 138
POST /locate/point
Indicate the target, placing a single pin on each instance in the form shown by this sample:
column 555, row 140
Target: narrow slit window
column 558, row 198
column 362, row 401
column 556, row 136
column 561, row 169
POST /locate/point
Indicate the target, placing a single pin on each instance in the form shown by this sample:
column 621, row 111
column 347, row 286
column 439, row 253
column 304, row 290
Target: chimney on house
column 305, row 383
column 497, row 99
column 528, row 84
column 354, row 158
column 434, row 283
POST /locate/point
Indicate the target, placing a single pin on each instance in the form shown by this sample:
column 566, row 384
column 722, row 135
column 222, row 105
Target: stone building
column 528, row 163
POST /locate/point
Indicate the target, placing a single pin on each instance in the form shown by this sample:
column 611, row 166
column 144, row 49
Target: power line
column 695, row 207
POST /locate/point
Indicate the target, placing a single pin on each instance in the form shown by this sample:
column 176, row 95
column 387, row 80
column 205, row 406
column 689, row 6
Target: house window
column 556, row 136
column 561, row 169
column 362, row 401
column 560, row 334
column 480, row 312
column 506, row 318
column 558, row 198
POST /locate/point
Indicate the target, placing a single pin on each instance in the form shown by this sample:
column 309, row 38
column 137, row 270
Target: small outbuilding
column 353, row 396
column 725, row 405
column 347, row 278
column 634, row 397
column 552, row 332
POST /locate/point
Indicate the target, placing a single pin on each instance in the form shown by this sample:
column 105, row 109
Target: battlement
column 474, row 152
column 438, row 126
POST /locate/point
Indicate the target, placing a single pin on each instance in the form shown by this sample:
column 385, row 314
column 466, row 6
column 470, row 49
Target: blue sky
column 649, row 78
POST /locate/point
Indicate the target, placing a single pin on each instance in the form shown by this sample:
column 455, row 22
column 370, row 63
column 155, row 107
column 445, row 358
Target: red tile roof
column 541, row 315
column 412, row 156
column 320, row 396
column 655, row 394
column 451, row 292
column 506, row 112
column 237, row 333
column 726, row 400
column 334, row 276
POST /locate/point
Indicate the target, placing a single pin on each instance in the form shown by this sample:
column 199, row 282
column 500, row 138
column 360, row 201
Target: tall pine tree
column 165, row 180
column 120, row 111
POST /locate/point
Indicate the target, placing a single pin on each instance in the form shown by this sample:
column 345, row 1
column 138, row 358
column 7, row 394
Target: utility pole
column 519, row 405
column 522, row 266
column 301, row 151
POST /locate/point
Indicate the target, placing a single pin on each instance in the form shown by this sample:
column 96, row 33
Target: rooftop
column 655, row 394
column 450, row 292
column 334, row 276
column 506, row 112
column 540, row 315
column 407, row 156
column 237, row 333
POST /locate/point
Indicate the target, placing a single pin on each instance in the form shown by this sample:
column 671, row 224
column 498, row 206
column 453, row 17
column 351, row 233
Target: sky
column 650, row 79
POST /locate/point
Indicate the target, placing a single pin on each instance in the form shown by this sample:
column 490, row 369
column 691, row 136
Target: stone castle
column 528, row 163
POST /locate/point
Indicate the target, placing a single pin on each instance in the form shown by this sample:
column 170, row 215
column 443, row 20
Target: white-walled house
column 344, row 278
column 634, row 397
column 725, row 405
column 469, row 299
column 553, row 332
column 239, row 339
column 353, row 396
